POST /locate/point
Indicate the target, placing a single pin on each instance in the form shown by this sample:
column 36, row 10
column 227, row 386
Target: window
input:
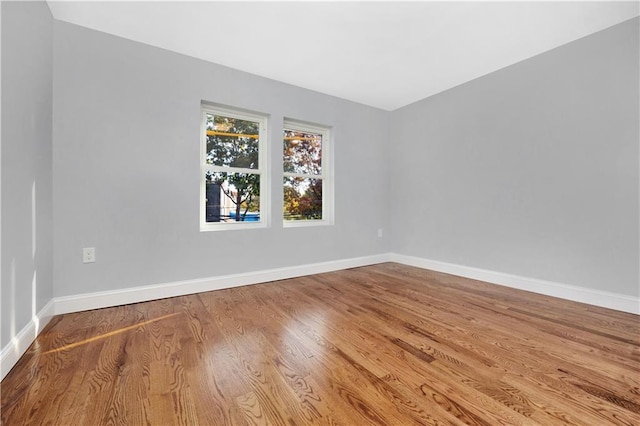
column 308, row 192
column 233, row 159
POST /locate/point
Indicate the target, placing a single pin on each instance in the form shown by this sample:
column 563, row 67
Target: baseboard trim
column 103, row 299
column 12, row 352
column 619, row 302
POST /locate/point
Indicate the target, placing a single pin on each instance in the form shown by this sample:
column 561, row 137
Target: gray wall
column 27, row 277
column 531, row 170
column 126, row 167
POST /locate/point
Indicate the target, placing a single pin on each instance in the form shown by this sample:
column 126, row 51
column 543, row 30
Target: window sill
column 305, row 223
column 209, row 227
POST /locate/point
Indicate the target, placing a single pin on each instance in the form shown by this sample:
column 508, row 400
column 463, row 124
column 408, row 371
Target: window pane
column 302, row 152
column 302, row 198
column 232, row 142
column 232, row 197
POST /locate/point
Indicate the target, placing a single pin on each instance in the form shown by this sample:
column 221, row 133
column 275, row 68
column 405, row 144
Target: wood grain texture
column 378, row 345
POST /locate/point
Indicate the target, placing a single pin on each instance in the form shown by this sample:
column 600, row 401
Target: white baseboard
column 619, row 302
column 12, row 352
column 103, row 299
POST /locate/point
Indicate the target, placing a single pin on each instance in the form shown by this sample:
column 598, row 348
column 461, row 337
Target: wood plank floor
column 379, row 345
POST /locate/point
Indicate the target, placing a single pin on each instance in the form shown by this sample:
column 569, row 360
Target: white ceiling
column 384, row 54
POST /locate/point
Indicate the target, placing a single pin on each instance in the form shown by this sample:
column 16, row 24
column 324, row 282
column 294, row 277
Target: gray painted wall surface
column 27, row 272
column 531, row 170
column 126, row 167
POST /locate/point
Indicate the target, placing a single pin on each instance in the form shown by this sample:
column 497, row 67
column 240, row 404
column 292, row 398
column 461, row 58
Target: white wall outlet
column 379, row 232
column 88, row 255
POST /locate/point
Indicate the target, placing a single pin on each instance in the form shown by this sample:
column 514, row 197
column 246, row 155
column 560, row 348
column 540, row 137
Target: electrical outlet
column 88, row 255
column 379, row 232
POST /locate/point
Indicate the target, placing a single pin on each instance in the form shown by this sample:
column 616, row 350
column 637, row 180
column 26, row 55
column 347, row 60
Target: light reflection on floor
column 109, row 334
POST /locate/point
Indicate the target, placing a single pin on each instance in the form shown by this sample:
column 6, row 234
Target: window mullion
column 218, row 169
column 302, row 175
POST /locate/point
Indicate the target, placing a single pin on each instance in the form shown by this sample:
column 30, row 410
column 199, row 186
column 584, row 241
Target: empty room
column 320, row 213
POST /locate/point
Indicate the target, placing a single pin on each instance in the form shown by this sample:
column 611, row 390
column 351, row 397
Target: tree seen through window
column 303, row 182
column 233, row 144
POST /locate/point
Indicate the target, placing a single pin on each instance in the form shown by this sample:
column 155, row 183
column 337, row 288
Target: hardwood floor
column 383, row 345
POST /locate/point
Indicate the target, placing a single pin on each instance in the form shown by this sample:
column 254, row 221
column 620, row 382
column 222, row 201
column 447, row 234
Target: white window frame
column 262, row 170
column 327, row 174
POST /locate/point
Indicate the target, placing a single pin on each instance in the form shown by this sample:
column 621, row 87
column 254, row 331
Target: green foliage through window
column 303, row 180
column 232, row 186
